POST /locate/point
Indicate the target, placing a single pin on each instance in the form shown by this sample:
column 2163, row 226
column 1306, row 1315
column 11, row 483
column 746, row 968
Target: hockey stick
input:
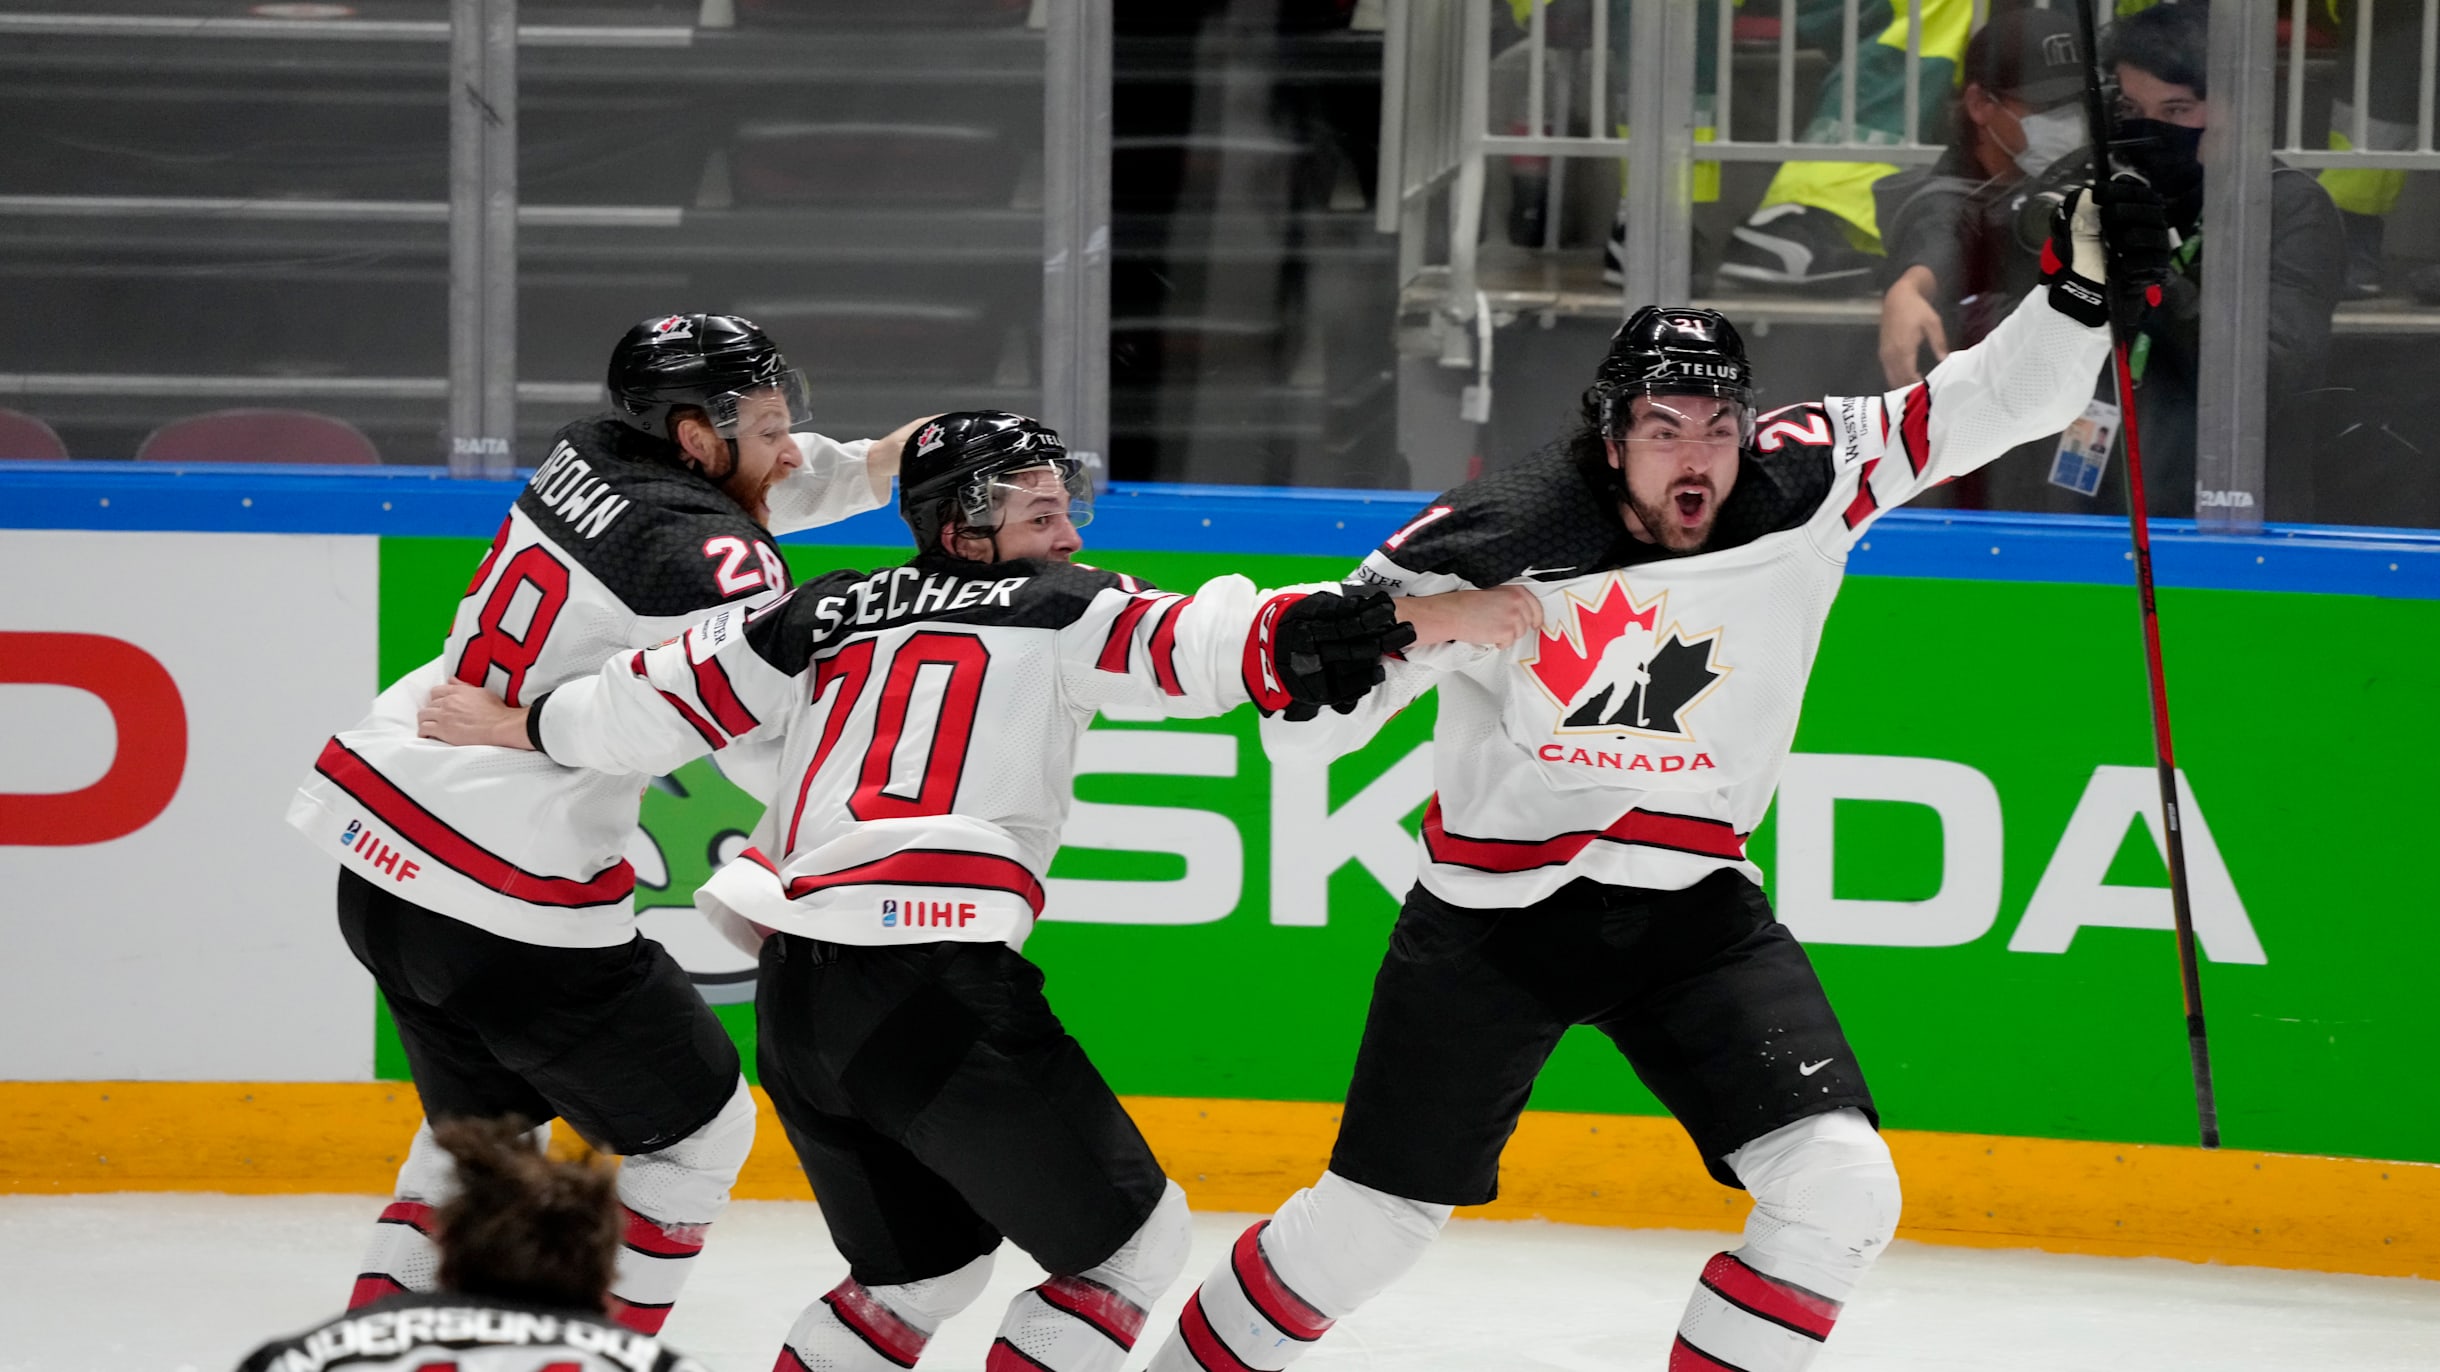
column 2100, row 127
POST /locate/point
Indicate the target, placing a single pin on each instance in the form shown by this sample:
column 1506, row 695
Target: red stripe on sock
column 1685, row 1357
column 647, row 1237
column 374, row 1286
column 1007, row 1357
column 1293, row 1314
column 1777, row 1301
column 878, row 1325
column 1203, row 1343
column 414, row 1214
column 643, row 1319
column 1097, row 1305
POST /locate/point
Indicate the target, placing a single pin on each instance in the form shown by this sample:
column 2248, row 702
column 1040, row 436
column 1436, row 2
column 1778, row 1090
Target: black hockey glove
column 2135, row 238
column 1329, row 648
column 2108, row 255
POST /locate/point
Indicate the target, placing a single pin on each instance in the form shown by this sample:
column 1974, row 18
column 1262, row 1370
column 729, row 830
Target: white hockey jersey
column 430, row 1331
column 1637, row 739
column 608, row 547
column 928, row 717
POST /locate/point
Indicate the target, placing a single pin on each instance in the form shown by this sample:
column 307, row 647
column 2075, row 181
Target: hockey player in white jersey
column 527, row 1247
column 489, row 894
column 1584, row 854
column 930, row 715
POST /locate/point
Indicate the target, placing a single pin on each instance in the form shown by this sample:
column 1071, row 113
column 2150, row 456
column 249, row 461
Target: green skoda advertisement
column 1968, row 838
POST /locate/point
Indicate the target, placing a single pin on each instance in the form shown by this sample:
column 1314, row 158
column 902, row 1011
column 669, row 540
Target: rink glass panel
column 2304, row 720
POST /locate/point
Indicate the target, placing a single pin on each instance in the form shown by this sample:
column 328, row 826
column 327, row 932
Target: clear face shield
column 1668, row 423
column 786, row 398
column 1056, row 486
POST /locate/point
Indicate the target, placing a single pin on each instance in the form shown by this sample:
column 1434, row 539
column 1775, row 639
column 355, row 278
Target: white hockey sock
column 669, row 1199
column 859, row 1328
column 1088, row 1322
column 402, row 1256
column 1285, row 1281
column 1825, row 1205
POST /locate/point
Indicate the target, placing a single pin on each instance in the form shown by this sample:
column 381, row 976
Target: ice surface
column 159, row 1283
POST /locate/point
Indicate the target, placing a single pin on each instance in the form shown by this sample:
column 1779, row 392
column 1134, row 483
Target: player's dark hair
column 524, row 1226
column 1586, row 449
column 2170, row 42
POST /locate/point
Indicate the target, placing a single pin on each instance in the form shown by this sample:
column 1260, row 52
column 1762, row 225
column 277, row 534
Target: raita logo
column 1611, row 669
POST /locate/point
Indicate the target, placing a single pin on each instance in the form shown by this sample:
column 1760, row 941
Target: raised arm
column 2032, row 377
column 837, row 479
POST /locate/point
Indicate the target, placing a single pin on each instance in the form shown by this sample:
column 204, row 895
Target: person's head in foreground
column 717, row 389
column 990, row 486
column 524, row 1226
column 1671, row 408
column 2019, row 109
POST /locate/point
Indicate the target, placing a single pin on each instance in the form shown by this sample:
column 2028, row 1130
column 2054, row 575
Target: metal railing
column 1436, row 116
column 483, row 213
column 2363, row 152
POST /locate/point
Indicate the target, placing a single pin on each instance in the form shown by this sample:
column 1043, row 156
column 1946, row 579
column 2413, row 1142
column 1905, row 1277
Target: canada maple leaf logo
column 1610, row 668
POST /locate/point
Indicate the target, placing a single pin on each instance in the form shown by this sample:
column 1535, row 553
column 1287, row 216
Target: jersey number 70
column 928, row 666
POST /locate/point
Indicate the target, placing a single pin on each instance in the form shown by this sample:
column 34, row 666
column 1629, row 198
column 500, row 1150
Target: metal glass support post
column 1660, row 155
column 2231, row 413
column 1076, row 228
column 482, row 237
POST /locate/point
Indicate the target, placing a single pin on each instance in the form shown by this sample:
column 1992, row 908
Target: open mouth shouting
column 1691, row 505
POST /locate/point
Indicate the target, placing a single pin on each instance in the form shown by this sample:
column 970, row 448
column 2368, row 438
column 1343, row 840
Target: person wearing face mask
column 2158, row 58
column 1954, row 267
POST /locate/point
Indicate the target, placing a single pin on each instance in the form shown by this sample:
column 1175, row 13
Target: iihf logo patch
column 929, row 441
column 889, row 908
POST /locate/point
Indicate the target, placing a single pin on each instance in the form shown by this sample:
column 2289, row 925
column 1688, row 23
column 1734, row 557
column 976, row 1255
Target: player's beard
column 1663, row 521
column 753, row 495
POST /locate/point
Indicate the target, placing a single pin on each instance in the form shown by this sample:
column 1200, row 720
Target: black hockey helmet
column 707, row 361
column 955, row 466
column 1673, row 350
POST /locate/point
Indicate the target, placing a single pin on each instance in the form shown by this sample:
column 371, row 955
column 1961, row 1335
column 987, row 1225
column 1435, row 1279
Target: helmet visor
column 1059, row 486
column 1683, row 418
column 786, row 398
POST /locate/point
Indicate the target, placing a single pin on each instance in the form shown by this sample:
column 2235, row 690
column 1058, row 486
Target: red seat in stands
column 27, row 439
column 260, row 436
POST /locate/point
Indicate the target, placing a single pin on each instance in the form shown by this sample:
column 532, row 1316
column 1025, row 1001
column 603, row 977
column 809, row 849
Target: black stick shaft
column 2173, row 829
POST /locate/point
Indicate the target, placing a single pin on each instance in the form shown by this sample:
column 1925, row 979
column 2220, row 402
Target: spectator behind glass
column 528, row 1247
column 2159, row 58
column 1955, row 268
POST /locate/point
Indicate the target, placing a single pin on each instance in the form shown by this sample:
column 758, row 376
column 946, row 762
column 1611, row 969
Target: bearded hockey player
column 1584, row 856
column 527, row 1247
column 488, row 893
column 929, row 717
